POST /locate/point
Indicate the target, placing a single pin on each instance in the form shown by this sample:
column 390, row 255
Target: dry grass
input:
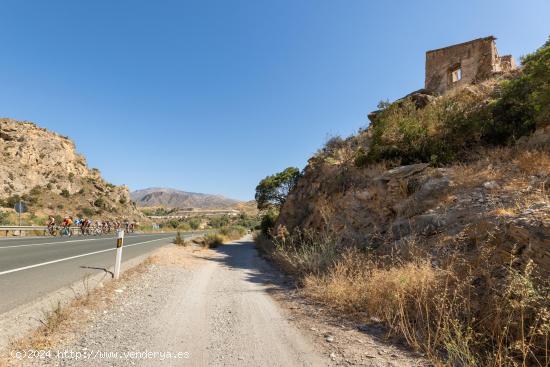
column 64, row 320
column 533, row 162
column 504, row 212
column 176, row 256
column 439, row 311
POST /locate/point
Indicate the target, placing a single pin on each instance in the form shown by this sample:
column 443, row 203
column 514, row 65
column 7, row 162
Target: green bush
column 268, row 222
column 11, row 201
column 88, row 212
column 361, row 158
column 65, row 193
column 194, row 223
column 219, row 221
column 443, row 131
column 246, row 221
column 524, row 102
column 35, row 191
column 3, row 218
column 99, row 202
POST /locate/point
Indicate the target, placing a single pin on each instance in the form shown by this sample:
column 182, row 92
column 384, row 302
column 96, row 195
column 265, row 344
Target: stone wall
column 477, row 60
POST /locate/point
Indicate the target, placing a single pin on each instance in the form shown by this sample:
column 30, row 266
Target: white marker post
column 119, row 241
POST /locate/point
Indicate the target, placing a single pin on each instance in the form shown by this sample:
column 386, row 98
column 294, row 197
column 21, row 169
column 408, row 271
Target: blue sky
column 212, row 96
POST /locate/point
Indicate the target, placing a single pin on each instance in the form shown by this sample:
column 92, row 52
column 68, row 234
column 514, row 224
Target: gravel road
column 212, row 308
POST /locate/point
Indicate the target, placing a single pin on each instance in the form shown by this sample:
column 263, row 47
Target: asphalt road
column 33, row 267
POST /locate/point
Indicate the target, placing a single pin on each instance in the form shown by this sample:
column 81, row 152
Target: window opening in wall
column 456, row 74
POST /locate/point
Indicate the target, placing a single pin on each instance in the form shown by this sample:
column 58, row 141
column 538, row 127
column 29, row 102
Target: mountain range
column 173, row 198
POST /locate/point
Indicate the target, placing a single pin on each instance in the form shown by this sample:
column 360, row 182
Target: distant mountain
column 172, row 198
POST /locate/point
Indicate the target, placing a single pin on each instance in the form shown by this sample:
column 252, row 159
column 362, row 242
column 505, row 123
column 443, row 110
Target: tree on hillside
column 273, row 190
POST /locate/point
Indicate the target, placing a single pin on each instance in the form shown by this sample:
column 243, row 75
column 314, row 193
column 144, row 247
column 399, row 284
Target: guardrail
column 21, row 229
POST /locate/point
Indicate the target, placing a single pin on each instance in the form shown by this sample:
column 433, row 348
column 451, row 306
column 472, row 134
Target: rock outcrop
column 497, row 203
column 53, row 178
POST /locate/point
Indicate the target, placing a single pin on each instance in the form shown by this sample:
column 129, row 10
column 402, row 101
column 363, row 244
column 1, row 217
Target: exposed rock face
column 497, row 203
column 45, row 164
column 32, row 156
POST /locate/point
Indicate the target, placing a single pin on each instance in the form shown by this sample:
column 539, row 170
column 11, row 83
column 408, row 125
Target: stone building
column 464, row 63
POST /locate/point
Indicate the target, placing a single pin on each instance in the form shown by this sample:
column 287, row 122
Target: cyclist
column 67, row 222
column 51, row 225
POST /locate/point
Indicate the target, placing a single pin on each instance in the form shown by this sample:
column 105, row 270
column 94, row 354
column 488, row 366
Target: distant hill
column 172, row 198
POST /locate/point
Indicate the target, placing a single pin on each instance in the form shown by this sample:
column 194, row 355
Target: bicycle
column 65, row 231
column 53, row 230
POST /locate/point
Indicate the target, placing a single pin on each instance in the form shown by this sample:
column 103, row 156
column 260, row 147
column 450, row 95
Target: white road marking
column 61, row 242
column 75, row 257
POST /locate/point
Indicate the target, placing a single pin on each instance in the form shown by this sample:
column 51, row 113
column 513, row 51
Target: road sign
column 20, row 207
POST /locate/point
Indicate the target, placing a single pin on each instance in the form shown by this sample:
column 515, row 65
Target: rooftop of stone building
column 488, row 38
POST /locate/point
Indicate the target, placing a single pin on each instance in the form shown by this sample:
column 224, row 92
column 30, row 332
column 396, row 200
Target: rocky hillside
column 172, row 198
column 498, row 202
column 44, row 169
column 435, row 220
column 466, row 171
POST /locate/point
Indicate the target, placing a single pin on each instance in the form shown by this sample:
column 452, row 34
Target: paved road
column 33, row 267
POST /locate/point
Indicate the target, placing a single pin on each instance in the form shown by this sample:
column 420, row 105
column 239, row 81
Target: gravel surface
column 215, row 308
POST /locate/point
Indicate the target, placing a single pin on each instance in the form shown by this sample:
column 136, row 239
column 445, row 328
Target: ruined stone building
column 464, row 63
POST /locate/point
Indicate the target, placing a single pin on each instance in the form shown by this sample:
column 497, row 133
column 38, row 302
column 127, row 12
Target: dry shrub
column 212, row 240
column 305, row 252
column 345, row 286
column 533, row 162
column 442, row 311
column 219, row 237
column 180, row 241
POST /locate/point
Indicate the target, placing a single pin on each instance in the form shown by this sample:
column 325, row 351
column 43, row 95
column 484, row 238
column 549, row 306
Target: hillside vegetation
column 434, row 221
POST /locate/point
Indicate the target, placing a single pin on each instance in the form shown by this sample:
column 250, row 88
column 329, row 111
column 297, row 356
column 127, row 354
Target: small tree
column 273, row 190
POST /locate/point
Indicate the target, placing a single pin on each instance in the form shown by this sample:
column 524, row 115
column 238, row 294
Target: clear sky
column 212, row 96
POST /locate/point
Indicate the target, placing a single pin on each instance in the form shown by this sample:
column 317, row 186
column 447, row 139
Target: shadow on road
column 243, row 255
column 94, row 268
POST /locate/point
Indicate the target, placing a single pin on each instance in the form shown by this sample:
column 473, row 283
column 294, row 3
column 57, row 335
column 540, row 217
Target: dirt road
column 223, row 316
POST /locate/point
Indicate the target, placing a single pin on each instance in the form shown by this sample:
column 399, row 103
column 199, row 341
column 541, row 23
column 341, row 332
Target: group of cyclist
column 88, row 226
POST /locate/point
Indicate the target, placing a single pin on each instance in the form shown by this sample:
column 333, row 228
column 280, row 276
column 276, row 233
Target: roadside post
column 119, row 241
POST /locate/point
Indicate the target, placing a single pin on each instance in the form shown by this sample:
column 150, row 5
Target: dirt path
column 209, row 308
column 238, row 321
